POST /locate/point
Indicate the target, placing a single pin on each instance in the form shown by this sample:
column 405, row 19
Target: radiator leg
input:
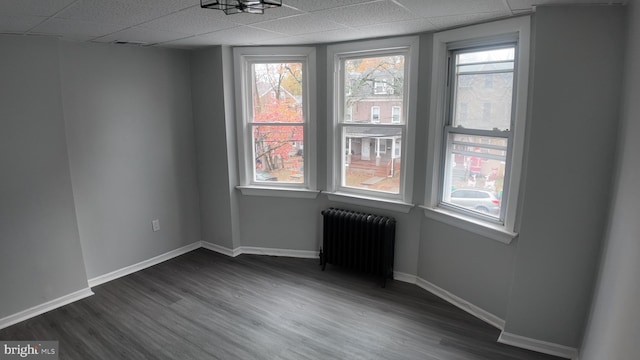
column 323, row 260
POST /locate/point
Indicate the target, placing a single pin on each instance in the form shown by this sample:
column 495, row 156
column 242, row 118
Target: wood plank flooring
column 203, row 305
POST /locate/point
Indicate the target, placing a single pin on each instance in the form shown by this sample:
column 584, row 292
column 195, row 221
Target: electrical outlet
column 156, row 224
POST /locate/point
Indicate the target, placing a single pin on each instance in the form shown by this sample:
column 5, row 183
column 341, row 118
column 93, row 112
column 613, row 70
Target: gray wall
column 614, row 330
column 128, row 115
column 40, row 253
column 212, row 88
column 570, row 157
column 474, row 268
column 469, row 266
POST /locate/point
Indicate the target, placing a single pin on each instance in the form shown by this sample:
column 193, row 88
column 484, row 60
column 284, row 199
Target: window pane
column 372, row 158
column 375, row 114
column 370, row 83
column 486, row 56
column 484, row 89
column 278, row 153
column 277, row 92
column 475, row 169
column 395, row 114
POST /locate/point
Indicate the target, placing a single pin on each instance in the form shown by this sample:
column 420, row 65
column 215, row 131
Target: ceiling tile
column 18, row 23
column 437, row 8
column 33, row 7
column 368, row 14
column 75, row 28
column 113, row 11
column 307, row 5
column 138, row 34
column 335, row 36
column 288, row 40
column 168, row 4
column 241, row 35
column 192, row 21
column 457, row 20
column 176, row 45
column 528, row 4
column 189, row 43
column 398, row 28
column 298, row 25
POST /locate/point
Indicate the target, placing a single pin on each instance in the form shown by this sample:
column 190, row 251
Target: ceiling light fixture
column 240, row 6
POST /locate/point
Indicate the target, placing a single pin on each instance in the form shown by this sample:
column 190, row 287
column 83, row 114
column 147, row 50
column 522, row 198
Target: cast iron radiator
column 358, row 241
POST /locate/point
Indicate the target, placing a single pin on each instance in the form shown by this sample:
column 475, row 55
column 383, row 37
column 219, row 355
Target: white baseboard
column 461, row 303
column 304, row 254
column 220, row 249
column 98, row 280
column 404, row 277
column 44, row 307
column 538, row 345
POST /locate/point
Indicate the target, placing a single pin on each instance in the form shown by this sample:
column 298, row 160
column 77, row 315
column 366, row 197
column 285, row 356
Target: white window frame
column 393, row 119
column 379, row 87
column 376, row 110
column 382, row 146
column 401, row 202
column 478, row 35
column 244, row 57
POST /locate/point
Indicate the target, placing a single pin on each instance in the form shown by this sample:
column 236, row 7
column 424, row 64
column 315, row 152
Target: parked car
column 479, row 200
column 263, row 176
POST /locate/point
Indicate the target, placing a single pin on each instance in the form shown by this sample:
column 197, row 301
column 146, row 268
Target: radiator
column 359, row 241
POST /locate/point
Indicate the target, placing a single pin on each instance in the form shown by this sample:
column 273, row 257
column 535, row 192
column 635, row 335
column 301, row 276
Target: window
column 379, row 87
column 375, row 114
column 348, row 114
column 476, row 152
column 477, row 126
column 373, row 167
column 275, row 117
column 395, row 114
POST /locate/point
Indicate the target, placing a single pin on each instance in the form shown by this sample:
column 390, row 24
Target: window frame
column 244, row 57
column 408, row 46
column 376, row 112
column 393, row 118
column 379, row 87
column 478, row 35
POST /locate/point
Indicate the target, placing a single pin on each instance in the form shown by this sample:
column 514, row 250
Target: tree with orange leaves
column 277, row 103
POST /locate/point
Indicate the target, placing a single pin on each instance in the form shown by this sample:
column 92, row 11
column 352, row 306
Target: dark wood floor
column 203, row 305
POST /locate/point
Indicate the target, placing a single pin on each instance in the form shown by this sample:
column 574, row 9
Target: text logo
column 31, row 350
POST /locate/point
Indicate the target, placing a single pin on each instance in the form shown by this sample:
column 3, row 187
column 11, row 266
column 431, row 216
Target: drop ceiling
column 183, row 24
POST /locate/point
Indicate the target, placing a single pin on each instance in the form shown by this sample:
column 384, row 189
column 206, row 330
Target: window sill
column 278, row 192
column 492, row 231
column 385, row 204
